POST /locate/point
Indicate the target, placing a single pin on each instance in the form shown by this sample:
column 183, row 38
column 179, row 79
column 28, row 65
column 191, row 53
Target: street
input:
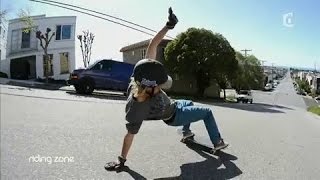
column 59, row 135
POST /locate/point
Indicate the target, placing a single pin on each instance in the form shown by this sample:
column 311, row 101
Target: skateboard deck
column 194, row 143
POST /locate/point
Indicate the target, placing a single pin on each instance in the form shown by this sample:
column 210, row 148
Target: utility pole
column 272, row 71
column 265, row 81
column 262, row 62
column 245, row 51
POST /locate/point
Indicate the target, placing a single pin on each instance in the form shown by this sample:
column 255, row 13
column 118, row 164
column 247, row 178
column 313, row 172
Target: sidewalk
column 34, row 84
column 50, row 86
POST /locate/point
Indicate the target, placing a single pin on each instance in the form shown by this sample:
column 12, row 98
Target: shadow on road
column 109, row 96
column 132, row 173
column 255, row 107
column 209, row 168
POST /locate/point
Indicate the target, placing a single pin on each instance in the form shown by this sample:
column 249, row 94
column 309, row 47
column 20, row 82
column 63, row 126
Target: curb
column 35, row 85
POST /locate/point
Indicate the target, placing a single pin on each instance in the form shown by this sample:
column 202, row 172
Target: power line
column 94, row 16
column 101, row 14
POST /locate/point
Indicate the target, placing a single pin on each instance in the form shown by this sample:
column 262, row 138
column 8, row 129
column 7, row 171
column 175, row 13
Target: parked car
column 274, row 85
column 102, row 75
column 245, row 96
column 268, row 87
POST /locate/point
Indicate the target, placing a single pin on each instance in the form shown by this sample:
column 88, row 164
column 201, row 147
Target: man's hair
column 136, row 87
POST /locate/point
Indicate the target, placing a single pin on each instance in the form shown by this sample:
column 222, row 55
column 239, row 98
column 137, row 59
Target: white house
column 302, row 75
column 3, row 38
column 25, row 55
column 315, row 83
column 310, row 78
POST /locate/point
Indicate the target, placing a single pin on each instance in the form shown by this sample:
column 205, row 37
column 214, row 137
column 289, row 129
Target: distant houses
column 24, row 55
column 312, row 78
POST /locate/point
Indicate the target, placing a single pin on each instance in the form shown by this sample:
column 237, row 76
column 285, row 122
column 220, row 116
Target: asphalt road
column 284, row 95
column 74, row 136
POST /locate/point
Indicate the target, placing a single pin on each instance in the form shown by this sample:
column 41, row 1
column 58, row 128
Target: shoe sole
column 187, row 137
column 221, row 147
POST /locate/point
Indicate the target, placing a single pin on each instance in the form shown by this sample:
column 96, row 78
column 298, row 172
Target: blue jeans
column 187, row 113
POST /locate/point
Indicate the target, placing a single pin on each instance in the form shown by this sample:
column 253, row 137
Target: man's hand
column 172, row 20
column 114, row 166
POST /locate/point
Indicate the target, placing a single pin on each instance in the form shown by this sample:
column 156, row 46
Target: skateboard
column 190, row 141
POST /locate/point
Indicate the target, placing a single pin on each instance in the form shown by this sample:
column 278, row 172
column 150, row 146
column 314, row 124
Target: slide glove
column 112, row 166
column 172, row 20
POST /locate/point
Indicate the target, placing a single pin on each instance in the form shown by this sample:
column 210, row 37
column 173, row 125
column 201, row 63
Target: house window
column 25, row 42
column 143, row 53
column 64, row 63
column 63, row 32
column 15, row 40
column 45, row 65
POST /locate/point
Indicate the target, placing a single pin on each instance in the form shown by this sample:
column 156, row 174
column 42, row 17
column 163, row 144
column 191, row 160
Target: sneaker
column 188, row 134
column 221, row 145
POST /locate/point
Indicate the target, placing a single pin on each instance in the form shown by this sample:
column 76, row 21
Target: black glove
column 112, row 166
column 172, row 20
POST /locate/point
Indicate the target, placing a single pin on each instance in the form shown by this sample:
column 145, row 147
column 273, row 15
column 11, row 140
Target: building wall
column 309, row 79
column 55, row 46
column 133, row 56
column 4, row 64
column 188, row 86
column 3, row 39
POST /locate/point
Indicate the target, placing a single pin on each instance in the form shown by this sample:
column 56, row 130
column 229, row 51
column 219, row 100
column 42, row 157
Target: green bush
column 304, row 85
column 3, row 75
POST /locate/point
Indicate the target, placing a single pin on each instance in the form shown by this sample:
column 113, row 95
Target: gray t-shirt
column 158, row 107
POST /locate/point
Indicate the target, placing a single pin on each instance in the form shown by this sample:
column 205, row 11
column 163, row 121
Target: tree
column 203, row 55
column 25, row 17
column 250, row 73
column 303, row 85
column 44, row 43
column 44, row 39
column 3, row 15
column 86, row 40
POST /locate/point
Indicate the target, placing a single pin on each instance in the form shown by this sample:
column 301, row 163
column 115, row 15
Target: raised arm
column 152, row 48
column 156, row 40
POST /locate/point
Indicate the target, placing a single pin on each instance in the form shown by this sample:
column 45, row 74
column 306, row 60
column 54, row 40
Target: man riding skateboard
column 147, row 101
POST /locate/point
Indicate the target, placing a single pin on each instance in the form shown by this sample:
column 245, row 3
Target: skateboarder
column 147, row 101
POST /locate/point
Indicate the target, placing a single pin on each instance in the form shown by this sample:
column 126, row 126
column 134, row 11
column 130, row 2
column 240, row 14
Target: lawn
column 314, row 109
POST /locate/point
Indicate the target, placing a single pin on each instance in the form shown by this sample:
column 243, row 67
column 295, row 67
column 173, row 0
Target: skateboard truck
column 190, row 141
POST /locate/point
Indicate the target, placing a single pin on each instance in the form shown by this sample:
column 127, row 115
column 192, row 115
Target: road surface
column 58, row 135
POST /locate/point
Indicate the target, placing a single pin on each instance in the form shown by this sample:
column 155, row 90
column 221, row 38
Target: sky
column 279, row 32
